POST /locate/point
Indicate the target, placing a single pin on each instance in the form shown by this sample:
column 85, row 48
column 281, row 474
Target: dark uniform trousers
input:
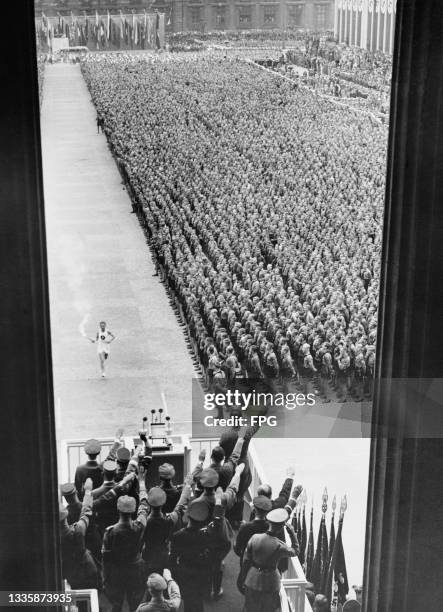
column 156, row 552
column 123, row 565
column 78, row 565
column 79, row 568
column 194, row 551
column 126, row 579
column 193, row 569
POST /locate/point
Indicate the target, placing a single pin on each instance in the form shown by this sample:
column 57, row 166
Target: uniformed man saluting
column 90, row 469
column 157, row 584
column 160, row 525
column 260, row 575
column 122, row 543
column 74, row 506
column 191, row 549
column 78, row 565
column 166, row 473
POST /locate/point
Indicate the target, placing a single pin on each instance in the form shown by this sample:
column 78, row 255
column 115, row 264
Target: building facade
column 369, row 24
column 210, row 15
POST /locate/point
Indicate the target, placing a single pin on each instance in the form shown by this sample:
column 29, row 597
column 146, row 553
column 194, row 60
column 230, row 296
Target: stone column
column 377, row 6
column 405, row 516
column 336, row 11
column 340, row 24
column 364, row 25
column 231, row 16
column 283, row 17
column 356, row 25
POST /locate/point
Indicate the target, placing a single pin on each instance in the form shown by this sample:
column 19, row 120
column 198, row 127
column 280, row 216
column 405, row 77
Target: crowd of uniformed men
column 264, row 207
column 157, row 547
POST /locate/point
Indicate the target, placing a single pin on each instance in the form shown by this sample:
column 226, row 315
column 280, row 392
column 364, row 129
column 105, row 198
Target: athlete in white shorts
column 103, row 339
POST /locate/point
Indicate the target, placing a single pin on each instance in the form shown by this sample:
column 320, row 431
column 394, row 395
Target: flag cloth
column 82, row 36
column 126, row 32
column 151, row 33
column 304, row 538
column 331, row 537
column 114, row 37
column 135, row 29
column 299, row 525
column 320, row 565
column 310, row 551
column 157, row 28
column 145, row 30
column 161, row 31
column 122, row 27
column 337, row 580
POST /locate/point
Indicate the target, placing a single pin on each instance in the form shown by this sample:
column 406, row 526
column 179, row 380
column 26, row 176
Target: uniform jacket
column 78, row 566
column 261, row 558
column 245, row 533
column 191, row 548
column 122, row 543
column 91, row 469
column 158, row 531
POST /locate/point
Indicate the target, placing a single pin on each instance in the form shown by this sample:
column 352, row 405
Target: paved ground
column 100, row 268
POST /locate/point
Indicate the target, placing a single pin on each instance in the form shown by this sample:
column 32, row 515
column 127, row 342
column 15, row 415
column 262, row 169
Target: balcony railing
column 88, row 598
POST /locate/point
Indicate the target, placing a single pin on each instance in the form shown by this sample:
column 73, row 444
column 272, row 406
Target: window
column 270, row 15
column 245, row 15
column 220, row 16
column 296, row 15
column 195, row 15
column 321, row 11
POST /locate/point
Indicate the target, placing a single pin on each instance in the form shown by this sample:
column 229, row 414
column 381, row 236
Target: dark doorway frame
column 29, row 553
column 404, row 536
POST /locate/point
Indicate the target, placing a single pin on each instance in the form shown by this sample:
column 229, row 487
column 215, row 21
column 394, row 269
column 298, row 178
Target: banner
column 101, row 32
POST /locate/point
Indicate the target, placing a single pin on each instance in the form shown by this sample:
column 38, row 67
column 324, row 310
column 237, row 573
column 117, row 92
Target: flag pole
column 310, row 550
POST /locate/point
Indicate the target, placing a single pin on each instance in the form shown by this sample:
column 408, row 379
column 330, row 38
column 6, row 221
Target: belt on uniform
column 263, row 569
